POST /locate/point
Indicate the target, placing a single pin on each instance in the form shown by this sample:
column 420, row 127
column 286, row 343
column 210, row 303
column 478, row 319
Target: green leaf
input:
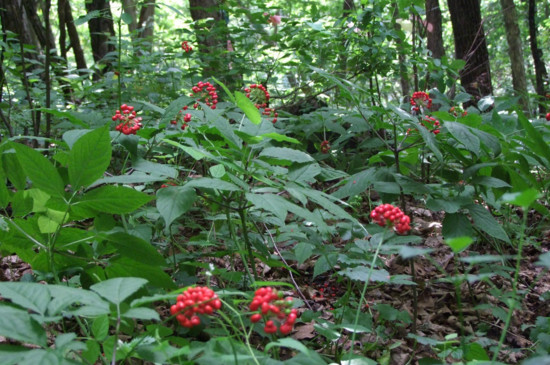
column 484, row 221
column 40, row 170
column 126, row 267
column 459, row 244
column 303, row 251
column 227, row 92
column 68, row 115
column 12, row 354
column 463, row 135
column 217, row 171
column 284, row 153
column 408, row 252
column 118, row 289
column 126, row 18
column 89, row 158
column 17, row 324
column 174, row 108
column 290, row 343
column 279, row 137
column 33, row 296
column 363, row 273
column 356, row 184
column 271, row 202
column 490, row 182
column 136, row 248
column 304, row 173
column 247, row 106
column 474, row 351
column 208, row 183
column 154, row 168
column 100, row 327
column 456, row 225
column 13, row 170
column 539, row 145
column 523, row 199
column 114, row 199
column 173, row 201
column 145, row 314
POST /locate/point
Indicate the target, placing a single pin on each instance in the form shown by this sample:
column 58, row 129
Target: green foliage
column 110, row 224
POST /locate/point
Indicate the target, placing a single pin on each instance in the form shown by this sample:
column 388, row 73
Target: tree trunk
column 540, row 68
column 73, row 35
column 402, row 56
column 515, row 50
column 212, row 36
column 471, row 46
column 142, row 28
column 147, row 22
column 101, row 29
column 434, row 28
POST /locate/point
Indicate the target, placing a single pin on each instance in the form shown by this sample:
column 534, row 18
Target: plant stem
column 364, row 291
column 250, row 255
column 513, row 301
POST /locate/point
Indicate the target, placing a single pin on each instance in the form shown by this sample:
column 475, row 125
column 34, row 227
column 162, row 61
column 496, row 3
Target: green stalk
column 364, row 291
column 513, row 302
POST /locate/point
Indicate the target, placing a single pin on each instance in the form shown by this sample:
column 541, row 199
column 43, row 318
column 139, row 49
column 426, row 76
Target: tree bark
column 101, row 29
column 515, row 50
column 212, row 36
column 142, row 28
column 540, row 68
column 471, row 46
column 73, row 35
column 434, row 28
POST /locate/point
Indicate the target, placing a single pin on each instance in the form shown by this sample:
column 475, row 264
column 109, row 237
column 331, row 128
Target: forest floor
column 438, row 314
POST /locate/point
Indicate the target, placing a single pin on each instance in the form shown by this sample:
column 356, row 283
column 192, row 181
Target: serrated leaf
column 279, row 137
column 484, row 221
column 407, row 252
column 284, row 153
column 173, row 201
column 270, row 202
column 303, row 251
column 208, row 183
column 126, row 267
column 89, row 158
column 114, row 199
column 145, row 314
column 456, row 225
column 40, row 170
column 17, row 324
column 100, row 327
column 463, row 135
column 363, row 273
column 33, row 296
column 118, row 289
column 136, row 248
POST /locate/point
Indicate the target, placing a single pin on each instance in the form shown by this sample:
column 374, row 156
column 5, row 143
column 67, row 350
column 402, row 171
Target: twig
column 288, row 266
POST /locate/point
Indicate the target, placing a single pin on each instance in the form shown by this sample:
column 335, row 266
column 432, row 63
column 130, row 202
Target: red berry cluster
column 392, row 216
column 548, row 116
column 193, row 301
column 185, row 119
column 206, row 92
column 431, row 124
column 186, row 47
column 325, row 147
column 260, row 97
column 269, row 303
column 130, row 124
column 420, row 99
column 455, row 111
